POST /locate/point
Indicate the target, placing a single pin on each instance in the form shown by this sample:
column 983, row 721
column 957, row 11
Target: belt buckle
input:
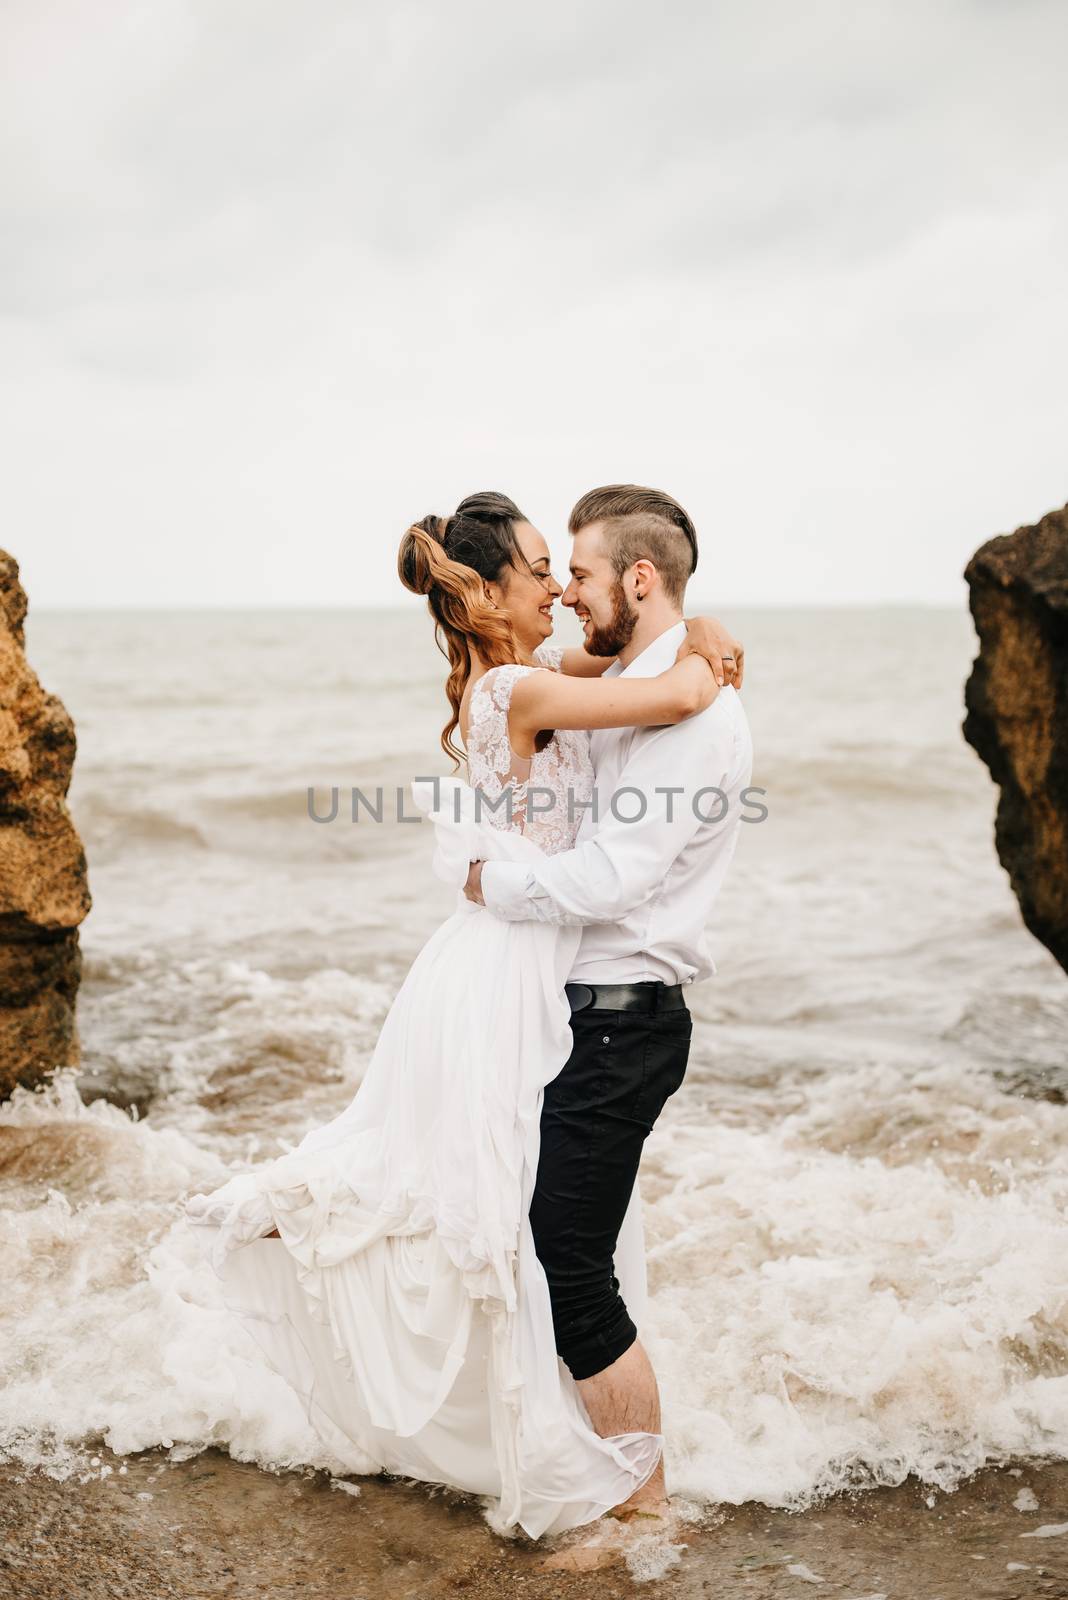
column 580, row 996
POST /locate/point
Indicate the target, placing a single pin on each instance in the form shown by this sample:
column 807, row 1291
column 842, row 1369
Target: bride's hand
column 724, row 653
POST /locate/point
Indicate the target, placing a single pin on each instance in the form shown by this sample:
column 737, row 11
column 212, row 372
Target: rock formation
column 43, row 890
column 1017, row 703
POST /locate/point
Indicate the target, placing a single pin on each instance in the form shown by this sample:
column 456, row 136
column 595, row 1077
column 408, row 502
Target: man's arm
column 624, row 863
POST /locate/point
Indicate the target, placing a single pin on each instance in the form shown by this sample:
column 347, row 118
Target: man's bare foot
column 580, row 1558
column 636, row 1510
column 610, row 1537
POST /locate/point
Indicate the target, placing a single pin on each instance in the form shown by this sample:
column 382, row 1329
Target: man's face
column 600, row 601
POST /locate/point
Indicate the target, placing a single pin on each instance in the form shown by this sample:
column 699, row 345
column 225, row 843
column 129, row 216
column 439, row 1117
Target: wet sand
column 213, row 1527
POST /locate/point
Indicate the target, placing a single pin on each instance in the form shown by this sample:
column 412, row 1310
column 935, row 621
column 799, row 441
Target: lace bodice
column 542, row 795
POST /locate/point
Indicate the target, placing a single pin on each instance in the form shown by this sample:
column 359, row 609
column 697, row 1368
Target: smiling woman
column 485, row 573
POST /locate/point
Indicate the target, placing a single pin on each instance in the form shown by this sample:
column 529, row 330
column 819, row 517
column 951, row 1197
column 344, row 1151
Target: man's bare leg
column 624, row 1398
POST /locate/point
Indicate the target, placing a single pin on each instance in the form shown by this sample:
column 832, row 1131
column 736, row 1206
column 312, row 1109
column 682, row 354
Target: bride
column 386, row 1264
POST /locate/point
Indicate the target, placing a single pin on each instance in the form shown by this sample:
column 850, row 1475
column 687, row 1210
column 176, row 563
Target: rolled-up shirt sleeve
column 670, row 787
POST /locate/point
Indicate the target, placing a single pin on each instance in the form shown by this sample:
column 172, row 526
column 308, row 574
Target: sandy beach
column 217, row 1527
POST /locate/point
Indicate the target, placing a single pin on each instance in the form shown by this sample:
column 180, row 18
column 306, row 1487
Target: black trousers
column 595, row 1119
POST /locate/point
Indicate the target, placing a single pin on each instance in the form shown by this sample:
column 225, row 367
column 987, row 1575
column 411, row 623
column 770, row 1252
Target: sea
column 856, row 1206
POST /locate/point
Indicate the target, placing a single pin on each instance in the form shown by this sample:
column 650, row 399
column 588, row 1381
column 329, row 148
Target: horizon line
column 37, row 609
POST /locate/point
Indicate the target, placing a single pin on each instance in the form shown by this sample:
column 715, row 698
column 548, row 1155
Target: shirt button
column 605, row 1039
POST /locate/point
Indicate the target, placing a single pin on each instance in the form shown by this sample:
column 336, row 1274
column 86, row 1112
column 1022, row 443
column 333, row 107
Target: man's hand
column 724, row 653
column 473, row 886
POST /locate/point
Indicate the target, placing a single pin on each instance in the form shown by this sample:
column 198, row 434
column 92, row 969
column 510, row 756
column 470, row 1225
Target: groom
column 644, row 891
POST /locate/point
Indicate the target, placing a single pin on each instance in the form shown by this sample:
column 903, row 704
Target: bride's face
column 527, row 592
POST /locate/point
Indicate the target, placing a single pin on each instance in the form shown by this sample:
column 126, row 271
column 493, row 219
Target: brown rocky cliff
column 1017, row 704
column 44, row 894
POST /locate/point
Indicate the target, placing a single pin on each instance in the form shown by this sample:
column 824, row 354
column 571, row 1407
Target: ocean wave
column 840, row 1298
column 224, row 1047
column 107, row 820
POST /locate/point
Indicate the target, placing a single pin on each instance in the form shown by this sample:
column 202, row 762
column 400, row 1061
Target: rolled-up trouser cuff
column 588, row 1352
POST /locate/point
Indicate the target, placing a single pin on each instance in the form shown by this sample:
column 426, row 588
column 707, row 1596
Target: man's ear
column 644, row 577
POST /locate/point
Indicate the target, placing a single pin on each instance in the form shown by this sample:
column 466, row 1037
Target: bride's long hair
column 450, row 560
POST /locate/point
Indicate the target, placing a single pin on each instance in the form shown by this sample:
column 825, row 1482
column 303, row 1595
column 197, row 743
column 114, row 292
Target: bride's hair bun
column 418, row 562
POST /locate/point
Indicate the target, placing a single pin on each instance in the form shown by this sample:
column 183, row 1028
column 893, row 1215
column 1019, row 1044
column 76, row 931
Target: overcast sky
column 279, row 278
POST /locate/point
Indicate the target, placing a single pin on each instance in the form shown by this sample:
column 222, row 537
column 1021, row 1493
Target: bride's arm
column 578, row 663
column 705, row 636
column 551, row 700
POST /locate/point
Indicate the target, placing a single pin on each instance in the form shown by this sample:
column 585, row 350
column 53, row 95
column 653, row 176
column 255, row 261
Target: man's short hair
column 642, row 525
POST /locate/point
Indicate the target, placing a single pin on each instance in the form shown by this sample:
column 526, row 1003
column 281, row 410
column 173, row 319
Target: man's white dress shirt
column 644, row 889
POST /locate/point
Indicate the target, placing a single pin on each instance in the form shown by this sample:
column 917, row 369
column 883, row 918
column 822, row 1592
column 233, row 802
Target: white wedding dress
column 404, row 1301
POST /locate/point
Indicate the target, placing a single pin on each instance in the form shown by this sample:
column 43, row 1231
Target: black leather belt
column 625, row 996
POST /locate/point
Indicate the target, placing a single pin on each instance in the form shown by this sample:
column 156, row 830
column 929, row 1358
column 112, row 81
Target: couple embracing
column 451, row 1273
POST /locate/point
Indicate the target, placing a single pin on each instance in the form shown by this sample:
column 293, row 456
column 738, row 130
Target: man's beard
column 613, row 636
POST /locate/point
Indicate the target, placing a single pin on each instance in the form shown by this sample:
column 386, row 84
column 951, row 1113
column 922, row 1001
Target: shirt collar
column 656, row 657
